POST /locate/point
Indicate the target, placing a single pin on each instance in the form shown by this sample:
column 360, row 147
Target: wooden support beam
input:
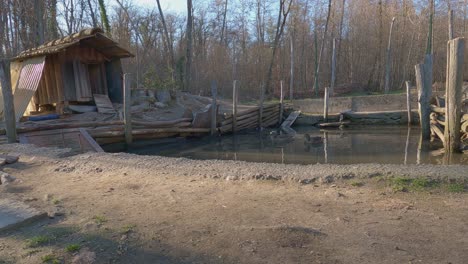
column 8, row 106
column 214, row 107
column 280, row 117
column 453, row 95
column 127, row 109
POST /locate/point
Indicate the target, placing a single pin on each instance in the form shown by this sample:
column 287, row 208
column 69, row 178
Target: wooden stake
column 280, row 119
column 234, row 106
column 424, row 85
column 260, row 111
column 325, row 105
column 333, row 68
column 450, row 24
column 408, row 101
column 127, row 109
column 214, row 107
column 8, row 106
column 453, row 96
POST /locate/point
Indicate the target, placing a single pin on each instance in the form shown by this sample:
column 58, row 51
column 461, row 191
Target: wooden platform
column 77, row 139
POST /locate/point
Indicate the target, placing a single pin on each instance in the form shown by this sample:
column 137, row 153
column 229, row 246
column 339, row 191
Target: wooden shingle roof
column 92, row 37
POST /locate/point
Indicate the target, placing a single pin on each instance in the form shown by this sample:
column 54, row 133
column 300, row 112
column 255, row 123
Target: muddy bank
column 238, row 170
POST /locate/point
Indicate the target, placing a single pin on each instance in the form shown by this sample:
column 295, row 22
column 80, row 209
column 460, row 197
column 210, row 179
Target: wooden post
column 234, row 106
column 8, row 106
column 408, row 101
column 453, row 95
column 325, row 105
column 280, row 118
column 127, row 109
column 333, row 69
column 389, row 58
column 260, row 107
column 450, row 24
column 424, row 85
column 214, row 107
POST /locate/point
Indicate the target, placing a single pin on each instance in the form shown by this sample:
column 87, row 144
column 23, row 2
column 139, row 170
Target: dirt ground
column 122, row 208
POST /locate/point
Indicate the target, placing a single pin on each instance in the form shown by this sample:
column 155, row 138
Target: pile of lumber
column 250, row 118
column 438, row 124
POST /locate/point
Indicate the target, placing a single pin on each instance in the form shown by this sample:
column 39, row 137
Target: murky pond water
column 367, row 144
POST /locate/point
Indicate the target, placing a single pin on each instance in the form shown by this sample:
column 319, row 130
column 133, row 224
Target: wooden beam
column 127, row 109
column 453, row 95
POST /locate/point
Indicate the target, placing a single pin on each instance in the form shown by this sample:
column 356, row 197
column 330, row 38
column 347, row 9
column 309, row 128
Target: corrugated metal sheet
column 28, row 82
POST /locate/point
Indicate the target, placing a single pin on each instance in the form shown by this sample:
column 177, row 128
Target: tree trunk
column 93, row 17
column 104, row 19
column 223, row 29
column 188, row 54
column 322, row 46
column 282, row 17
column 388, row 64
column 168, row 39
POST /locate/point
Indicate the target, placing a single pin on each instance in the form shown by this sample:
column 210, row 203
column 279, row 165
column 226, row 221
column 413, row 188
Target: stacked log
column 437, row 122
column 249, row 118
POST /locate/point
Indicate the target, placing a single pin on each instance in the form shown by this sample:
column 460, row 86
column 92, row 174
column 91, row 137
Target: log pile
column 437, row 123
column 250, row 118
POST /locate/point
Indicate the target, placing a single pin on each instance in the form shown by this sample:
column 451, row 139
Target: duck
column 312, row 140
column 278, row 137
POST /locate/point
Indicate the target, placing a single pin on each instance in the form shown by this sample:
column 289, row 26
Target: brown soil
column 122, row 208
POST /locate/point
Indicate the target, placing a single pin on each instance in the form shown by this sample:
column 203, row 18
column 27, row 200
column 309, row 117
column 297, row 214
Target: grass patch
column 357, row 183
column 38, row 241
column 455, row 188
column 50, row 258
column 127, row 229
column 99, row 219
column 402, row 184
column 56, row 201
column 72, row 248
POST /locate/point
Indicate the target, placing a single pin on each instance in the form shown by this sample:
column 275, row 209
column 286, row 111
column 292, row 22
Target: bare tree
column 284, row 8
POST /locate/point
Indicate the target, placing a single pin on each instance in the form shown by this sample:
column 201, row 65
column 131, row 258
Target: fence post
column 8, row 106
column 325, row 104
column 260, row 108
column 280, row 118
column 234, row 106
column 333, row 69
column 127, row 109
column 453, row 95
column 408, row 102
column 214, row 107
column 424, row 85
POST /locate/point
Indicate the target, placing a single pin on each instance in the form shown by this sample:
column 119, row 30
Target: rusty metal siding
column 28, row 82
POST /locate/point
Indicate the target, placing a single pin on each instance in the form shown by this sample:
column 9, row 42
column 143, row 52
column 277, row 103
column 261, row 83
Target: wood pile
column 250, row 118
column 437, row 122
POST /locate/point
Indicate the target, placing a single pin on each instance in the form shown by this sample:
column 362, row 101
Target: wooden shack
column 68, row 70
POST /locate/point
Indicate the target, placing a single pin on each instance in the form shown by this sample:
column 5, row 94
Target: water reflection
column 369, row 144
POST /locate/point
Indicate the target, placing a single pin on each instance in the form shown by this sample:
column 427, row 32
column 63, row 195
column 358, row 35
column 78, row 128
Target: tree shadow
column 109, row 246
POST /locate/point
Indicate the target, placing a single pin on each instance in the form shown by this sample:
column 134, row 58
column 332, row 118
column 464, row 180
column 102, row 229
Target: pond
column 365, row 144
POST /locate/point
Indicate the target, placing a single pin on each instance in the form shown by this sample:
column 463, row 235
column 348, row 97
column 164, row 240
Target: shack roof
column 92, row 37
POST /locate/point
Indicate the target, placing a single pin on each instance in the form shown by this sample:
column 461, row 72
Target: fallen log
column 106, row 133
column 335, row 124
column 437, row 109
column 438, row 131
